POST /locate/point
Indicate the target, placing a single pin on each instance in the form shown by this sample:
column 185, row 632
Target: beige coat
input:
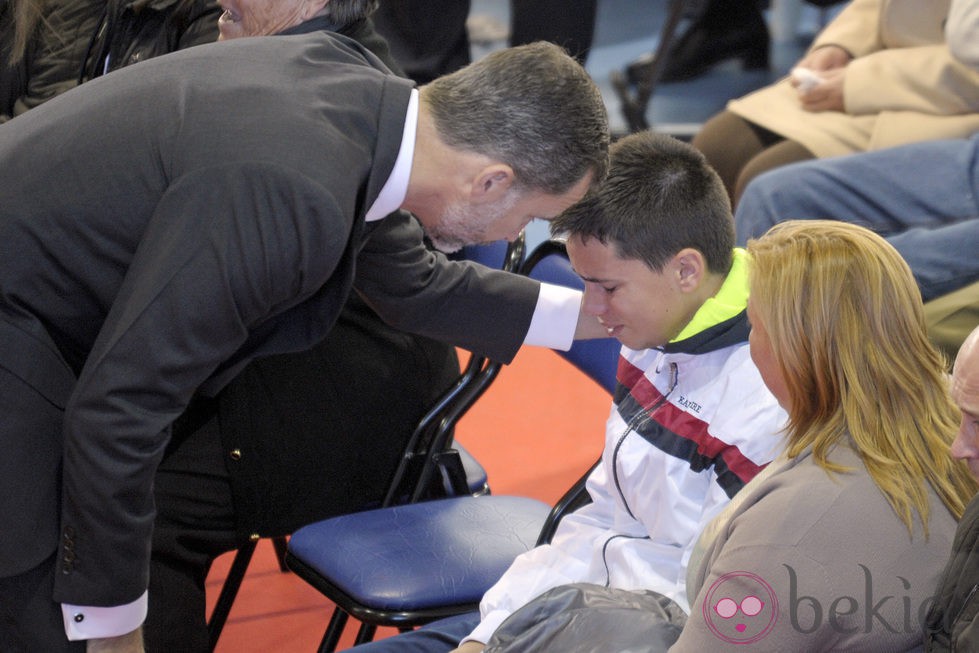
column 834, row 566
column 902, row 86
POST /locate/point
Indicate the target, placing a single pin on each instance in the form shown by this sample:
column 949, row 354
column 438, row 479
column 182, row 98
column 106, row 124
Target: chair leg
column 331, row 638
column 228, row 592
column 365, row 633
column 281, row 543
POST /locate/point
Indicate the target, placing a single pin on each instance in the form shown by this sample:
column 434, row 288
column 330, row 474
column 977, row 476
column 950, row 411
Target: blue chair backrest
column 599, row 358
column 498, row 254
column 491, row 254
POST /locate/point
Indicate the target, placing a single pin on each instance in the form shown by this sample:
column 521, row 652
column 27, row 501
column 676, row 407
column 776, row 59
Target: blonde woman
column 839, row 544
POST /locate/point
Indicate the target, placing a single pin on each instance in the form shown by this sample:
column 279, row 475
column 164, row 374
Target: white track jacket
column 691, row 424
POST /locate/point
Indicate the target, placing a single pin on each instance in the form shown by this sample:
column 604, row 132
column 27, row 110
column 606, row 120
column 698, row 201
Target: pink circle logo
column 740, row 608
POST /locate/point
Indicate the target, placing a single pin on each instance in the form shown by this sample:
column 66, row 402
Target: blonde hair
column 26, row 17
column 846, row 325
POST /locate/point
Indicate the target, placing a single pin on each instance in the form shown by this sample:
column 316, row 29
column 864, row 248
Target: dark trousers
column 30, row 621
column 439, row 636
column 740, row 150
column 427, row 38
column 568, row 23
column 195, row 523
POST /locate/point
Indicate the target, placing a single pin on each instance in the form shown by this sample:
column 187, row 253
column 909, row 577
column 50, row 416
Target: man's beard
column 463, row 224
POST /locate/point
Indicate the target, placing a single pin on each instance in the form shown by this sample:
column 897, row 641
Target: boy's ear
column 491, row 183
column 690, row 268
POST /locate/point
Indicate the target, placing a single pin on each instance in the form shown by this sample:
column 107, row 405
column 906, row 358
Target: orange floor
column 535, row 431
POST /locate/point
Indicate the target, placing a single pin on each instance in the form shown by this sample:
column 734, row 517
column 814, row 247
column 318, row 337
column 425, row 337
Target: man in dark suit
column 163, row 225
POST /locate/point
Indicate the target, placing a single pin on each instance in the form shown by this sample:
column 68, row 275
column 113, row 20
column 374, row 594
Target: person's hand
column 128, row 643
column 826, row 94
column 469, row 647
column 828, row 57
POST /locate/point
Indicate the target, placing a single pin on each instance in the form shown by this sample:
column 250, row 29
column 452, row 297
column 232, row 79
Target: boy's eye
column 609, row 290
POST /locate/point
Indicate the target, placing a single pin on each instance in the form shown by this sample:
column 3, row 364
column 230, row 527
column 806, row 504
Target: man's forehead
column 603, row 261
column 965, row 381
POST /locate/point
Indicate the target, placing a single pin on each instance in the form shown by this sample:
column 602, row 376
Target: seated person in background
column 131, row 31
column 430, row 38
column 692, row 421
column 887, row 76
column 863, row 504
column 719, row 30
column 42, row 45
column 953, row 620
column 922, row 197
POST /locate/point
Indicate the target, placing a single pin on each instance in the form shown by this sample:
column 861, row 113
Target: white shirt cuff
column 555, row 318
column 90, row 622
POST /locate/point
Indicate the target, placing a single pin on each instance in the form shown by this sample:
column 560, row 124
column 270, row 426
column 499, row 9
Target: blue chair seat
column 399, row 570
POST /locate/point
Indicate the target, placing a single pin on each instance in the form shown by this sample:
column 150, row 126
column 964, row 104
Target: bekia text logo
column 740, row 608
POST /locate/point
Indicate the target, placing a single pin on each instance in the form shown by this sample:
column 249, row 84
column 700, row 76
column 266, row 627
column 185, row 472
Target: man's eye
column 608, row 289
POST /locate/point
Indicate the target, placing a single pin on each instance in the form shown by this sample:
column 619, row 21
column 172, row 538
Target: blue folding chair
column 406, row 565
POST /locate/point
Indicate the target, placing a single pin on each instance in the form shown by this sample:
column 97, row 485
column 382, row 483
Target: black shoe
column 706, row 44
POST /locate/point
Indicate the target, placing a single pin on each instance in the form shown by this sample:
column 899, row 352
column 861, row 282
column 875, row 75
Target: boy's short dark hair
column 660, row 197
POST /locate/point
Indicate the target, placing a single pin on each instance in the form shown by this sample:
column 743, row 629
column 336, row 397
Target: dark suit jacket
column 319, row 433
column 163, row 225
column 306, row 435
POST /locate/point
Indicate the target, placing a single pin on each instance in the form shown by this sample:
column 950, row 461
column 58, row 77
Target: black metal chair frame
column 232, row 583
column 438, row 461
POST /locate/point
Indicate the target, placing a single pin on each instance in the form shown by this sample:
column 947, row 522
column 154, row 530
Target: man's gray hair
column 532, row 107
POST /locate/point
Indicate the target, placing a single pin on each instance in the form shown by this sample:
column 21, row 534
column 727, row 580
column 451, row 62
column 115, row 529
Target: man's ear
column 491, row 183
column 690, row 269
